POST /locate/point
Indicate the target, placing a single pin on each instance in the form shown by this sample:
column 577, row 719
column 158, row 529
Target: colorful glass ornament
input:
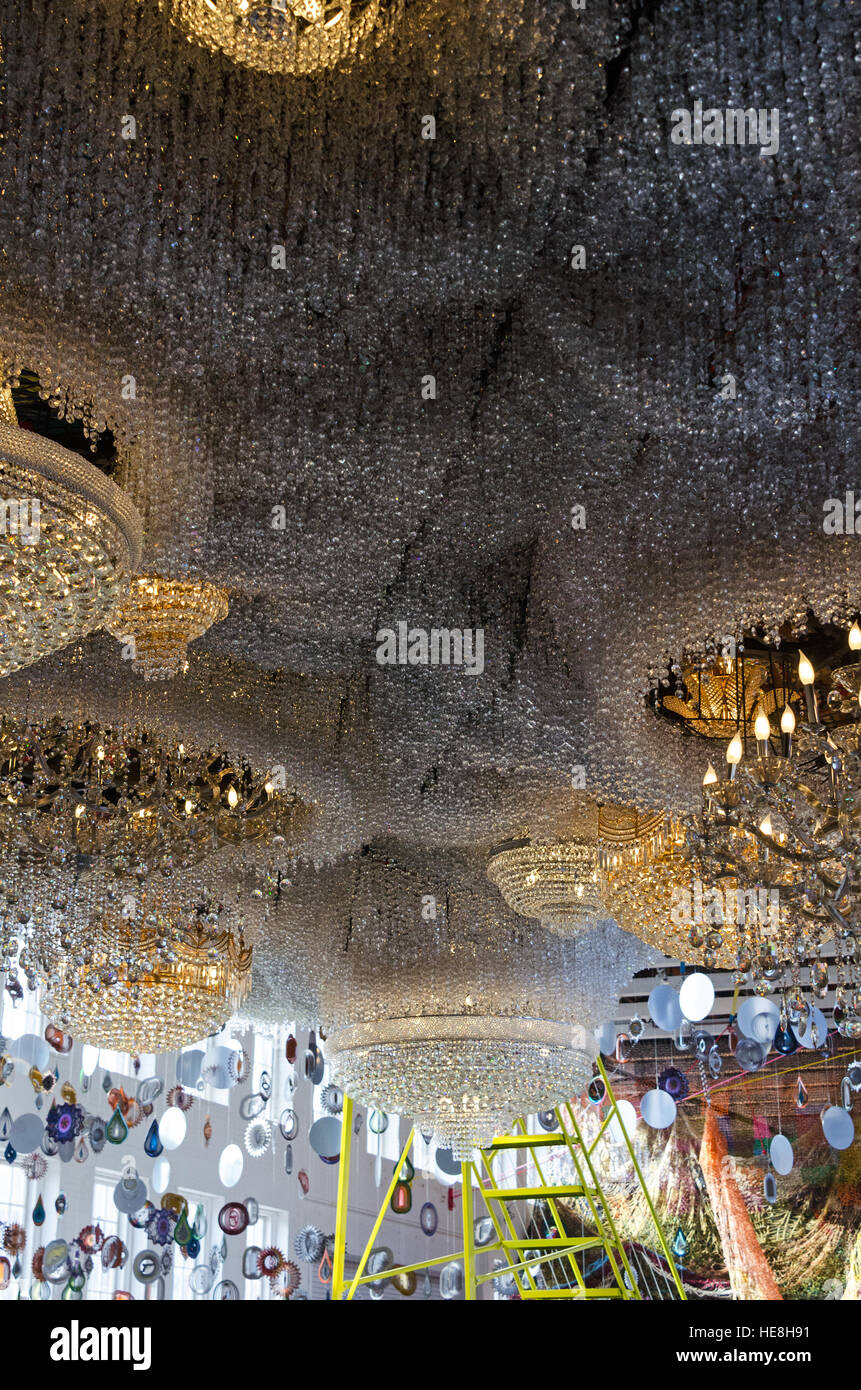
column 429, row 1218
column 152, row 1144
column 117, row 1131
column 38, row 1212
column 402, row 1198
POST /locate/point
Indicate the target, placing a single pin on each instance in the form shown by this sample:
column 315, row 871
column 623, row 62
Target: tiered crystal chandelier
column 557, row 883
column 69, row 541
column 149, row 986
column 780, row 831
column 461, row 1020
column 159, row 618
column 285, row 36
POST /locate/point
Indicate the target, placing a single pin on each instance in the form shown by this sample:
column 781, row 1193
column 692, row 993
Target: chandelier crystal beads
column 285, row 36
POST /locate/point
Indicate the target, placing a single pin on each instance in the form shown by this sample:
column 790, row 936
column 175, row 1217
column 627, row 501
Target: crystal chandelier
column 158, row 619
column 70, row 539
column 79, row 796
column 150, row 987
column 462, row 1018
column 285, row 36
column 557, row 883
column 782, row 825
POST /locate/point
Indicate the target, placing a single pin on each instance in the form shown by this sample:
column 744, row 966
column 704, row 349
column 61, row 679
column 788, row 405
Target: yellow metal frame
column 497, row 1199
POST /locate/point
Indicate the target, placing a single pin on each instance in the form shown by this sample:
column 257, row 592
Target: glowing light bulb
column 710, row 777
column 233, row 798
column 762, row 728
column 806, row 673
column 787, row 721
column 766, row 827
column 80, row 811
column 735, row 751
column 855, row 638
column 189, row 807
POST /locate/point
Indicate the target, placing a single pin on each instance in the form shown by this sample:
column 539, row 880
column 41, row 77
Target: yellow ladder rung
column 526, row 1141
column 556, row 1242
column 528, row 1194
column 571, row 1293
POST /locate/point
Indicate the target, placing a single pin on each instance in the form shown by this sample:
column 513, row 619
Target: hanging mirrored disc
column 252, row 1206
column 161, row 1174
column 250, row 1266
column 696, row 997
column 750, row 1055
column 129, row 1196
column 230, row 1165
column 288, row 1159
column 781, row 1154
column 605, row 1037
column 658, row 1109
column 26, row 1133
column 769, row 1188
column 265, row 1085
column 225, row 1292
column 665, row 1010
column 188, row 1068
column 324, row 1136
column 748, row 1010
column 548, row 1121
column 447, row 1163
column 838, row 1127
column 30, row 1048
column 451, row 1280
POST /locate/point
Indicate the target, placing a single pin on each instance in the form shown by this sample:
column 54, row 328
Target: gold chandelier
column 151, row 988
column 69, row 540
column 285, row 36
column 557, row 883
column 159, row 617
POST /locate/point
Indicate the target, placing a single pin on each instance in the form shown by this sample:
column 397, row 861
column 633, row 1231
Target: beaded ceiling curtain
column 251, row 279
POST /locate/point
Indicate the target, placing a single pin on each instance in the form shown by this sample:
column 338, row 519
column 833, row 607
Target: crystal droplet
column 408, row 1172
column 427, row 1286
column 116, row 1130
column 200, row 1223
column 680, row 1244
column 182, row 1233
column 107, row 1083
column 38, row 1212
column 152, row 1144
column 801, row 1094
column 5, row 1124
column 82, row 1153
column 60, row 1203
column 16, row 1267
column 10, row 1154
column 207, row 1130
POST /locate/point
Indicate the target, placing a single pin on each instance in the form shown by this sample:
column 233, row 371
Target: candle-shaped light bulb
column 806, row 675
column 233, row 798
column 766, row 827
column 787, row 721
column 735, row 753
column 855, row 638
column 762, row 731
column 710, row 777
